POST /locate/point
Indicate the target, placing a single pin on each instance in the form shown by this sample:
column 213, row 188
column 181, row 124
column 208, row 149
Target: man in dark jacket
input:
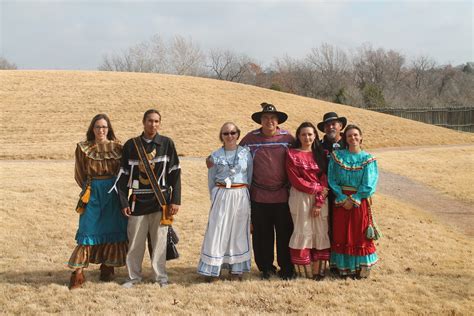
column 139, row 202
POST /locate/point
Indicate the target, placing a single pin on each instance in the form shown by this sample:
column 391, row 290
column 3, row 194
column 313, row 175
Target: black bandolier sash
column 166, row 218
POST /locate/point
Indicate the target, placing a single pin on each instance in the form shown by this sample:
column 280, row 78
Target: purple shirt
column 269, row 182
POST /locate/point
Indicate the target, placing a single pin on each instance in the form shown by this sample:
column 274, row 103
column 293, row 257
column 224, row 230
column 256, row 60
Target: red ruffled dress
column 310, row 239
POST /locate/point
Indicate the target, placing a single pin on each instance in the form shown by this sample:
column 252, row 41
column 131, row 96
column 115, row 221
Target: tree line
column 366, row 77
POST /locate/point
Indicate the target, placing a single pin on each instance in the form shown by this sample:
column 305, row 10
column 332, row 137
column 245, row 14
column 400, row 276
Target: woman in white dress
column 226, row 243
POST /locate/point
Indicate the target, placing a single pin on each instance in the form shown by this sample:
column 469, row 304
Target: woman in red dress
column 305, row 166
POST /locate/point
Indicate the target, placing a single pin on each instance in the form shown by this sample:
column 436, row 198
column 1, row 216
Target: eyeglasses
column 229, row 133
column 101, row 127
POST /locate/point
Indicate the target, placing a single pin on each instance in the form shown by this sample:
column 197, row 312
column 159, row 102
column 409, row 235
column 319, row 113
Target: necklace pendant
column 232, row 171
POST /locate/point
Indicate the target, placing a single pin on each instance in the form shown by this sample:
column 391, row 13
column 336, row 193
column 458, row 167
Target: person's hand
column 209, row 163
column 325, row 192
column 315, row 211
column 173, row 209
column 126, row 211
column 348, row 204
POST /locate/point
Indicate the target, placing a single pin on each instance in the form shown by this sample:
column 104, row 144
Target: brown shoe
column 77, row 280
column 235, row 277
column 319, row 277
column 106, row 273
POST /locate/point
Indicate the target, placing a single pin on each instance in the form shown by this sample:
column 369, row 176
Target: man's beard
column 332, row 135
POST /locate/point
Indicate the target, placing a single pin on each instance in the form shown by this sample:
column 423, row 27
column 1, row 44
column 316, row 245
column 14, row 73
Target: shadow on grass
column 185, row 276
column 180, row 275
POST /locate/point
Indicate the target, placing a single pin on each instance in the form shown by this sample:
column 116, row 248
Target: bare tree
column 421, row 67
column 148, row 56
column 331, row 65
column 230, row 66
column 6, row 65
column 291, row 75
column 185, row 57
column 377, row 66
column 447, row 75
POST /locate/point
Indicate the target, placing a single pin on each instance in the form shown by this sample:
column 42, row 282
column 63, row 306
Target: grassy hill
column 425, row 265
column 44, row 113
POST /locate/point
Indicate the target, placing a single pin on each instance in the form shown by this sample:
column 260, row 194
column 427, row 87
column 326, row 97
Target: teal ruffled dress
column 352, row 176
column 102, row 233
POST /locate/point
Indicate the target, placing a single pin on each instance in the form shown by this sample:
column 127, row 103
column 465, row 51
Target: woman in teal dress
column 352, row 175
column 102, row 233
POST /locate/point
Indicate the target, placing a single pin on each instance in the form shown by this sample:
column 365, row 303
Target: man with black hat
column 270, row 213
column 332, row 125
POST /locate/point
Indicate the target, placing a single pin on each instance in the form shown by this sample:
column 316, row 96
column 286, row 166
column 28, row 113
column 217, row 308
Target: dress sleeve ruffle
column 211, row 174
column 111, row 150
column 293, row 165
column 369, row 183
column 357, row 163
column 79, row 167
column 335, row 187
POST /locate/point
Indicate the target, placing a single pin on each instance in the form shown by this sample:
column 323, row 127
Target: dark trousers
column 268, row 218
column 331, row 200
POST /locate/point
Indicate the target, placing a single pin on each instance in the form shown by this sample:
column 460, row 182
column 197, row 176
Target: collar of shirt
column 278, row 132
column 157, row 139
column 325, row 140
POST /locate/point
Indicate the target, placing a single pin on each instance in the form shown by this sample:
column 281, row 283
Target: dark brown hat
column 331, row 116
column 269, row 108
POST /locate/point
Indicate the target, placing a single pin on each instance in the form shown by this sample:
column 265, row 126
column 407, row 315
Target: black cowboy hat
column 330, row 116
column 269, row 108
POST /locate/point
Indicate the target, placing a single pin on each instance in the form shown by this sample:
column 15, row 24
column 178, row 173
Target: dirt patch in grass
column 448, row 169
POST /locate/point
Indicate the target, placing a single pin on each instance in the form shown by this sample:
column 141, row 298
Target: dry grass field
column 425, row 266
column 44, row 113
column 435, row 167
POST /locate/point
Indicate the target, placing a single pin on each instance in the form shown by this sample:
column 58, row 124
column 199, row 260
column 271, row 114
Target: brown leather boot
column 106, row 273
column 77, row 280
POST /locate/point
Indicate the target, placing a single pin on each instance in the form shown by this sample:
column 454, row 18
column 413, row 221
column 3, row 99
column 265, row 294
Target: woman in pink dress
column 306, row 164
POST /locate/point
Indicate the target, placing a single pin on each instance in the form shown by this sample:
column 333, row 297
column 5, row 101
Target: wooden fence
column 461, row 119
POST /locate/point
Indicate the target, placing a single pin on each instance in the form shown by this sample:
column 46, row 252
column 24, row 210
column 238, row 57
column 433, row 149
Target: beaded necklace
column 231, row 165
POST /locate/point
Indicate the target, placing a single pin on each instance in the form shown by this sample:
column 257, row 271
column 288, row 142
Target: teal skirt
column 348, row 264
column 102, row 221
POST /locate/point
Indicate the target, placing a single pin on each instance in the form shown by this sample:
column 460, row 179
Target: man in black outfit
column 332, row 126
column 139, row 201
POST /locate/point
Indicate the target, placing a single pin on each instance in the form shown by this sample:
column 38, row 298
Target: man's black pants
column 268, row 218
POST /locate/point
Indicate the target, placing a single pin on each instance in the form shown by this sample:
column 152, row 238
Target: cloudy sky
column 73, row 34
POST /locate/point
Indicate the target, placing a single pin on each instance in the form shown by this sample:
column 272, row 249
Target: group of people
column 312, row 195
column 129, row 195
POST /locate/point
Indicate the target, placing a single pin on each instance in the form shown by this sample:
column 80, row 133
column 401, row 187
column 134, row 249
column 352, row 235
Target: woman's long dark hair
column 90, row 136
column 317, row 149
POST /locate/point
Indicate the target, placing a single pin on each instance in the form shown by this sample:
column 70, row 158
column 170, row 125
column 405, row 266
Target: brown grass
column 449, row 170
column 44, row 113
column 425, row 266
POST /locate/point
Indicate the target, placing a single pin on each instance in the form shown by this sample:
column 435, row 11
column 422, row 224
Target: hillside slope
column 44, row 113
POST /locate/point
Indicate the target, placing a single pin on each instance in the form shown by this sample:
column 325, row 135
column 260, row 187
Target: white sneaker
column 162, row 283
column 130, row 283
